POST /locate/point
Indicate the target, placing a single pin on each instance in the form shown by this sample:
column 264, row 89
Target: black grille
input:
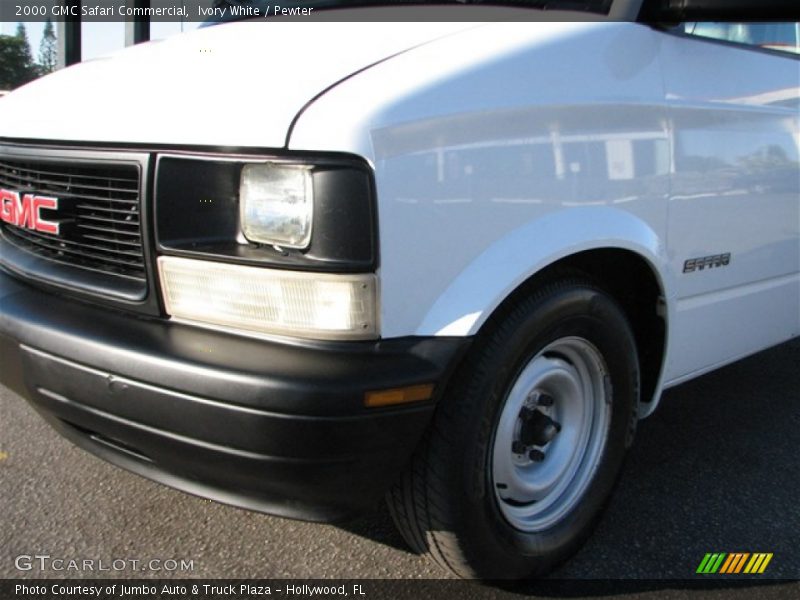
column 98, row 212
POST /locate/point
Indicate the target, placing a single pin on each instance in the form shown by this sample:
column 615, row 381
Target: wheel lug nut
column 518, row 447
column 536, row 455
column 545, row 400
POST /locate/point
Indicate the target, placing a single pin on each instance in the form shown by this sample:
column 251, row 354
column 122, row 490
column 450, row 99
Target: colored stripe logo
column 734, row 563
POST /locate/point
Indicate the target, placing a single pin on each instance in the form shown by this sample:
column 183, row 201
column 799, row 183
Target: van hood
column 237, row 84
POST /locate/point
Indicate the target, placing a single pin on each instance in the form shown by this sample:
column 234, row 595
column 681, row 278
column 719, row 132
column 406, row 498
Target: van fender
column 479, row 289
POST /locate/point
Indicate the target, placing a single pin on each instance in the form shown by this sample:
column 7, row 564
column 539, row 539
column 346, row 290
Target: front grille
column 98, row 212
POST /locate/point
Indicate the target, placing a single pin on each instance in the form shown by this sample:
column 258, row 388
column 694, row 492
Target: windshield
column 234, row 10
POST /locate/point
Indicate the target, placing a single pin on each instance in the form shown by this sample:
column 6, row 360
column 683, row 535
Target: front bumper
column 270, row 426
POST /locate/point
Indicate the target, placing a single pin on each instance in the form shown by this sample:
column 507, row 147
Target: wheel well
column 632, row 282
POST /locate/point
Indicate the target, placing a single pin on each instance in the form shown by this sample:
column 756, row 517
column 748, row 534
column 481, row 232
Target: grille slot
column 99, row 213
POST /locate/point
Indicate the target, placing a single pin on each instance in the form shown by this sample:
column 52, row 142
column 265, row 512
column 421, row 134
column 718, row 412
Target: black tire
column 445, row 503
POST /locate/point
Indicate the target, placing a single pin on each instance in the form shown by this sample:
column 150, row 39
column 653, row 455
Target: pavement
column 714, row 470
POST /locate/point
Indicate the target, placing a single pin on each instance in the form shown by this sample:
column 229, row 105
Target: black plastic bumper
column 274, row 427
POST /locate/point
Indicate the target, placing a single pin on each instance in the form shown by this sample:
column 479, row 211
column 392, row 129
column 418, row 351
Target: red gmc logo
column 25, row 211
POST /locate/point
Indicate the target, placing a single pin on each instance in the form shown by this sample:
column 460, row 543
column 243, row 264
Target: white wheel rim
column 565, row 387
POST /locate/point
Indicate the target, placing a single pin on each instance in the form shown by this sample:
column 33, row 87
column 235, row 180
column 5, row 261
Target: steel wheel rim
column 560, row 402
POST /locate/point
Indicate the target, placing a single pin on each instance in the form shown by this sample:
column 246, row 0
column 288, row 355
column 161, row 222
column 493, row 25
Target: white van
column 296, row 266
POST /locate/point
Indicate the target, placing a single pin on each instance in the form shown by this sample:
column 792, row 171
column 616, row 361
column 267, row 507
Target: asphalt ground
column 714, row 470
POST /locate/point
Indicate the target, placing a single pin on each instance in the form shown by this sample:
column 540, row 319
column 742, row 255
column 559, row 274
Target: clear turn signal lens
column 291, row 303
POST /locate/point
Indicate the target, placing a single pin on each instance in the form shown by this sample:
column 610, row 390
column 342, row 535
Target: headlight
column 276, row 204
column 311, row 305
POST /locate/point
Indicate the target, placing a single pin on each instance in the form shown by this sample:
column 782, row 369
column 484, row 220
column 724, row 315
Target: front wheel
column 527, row 444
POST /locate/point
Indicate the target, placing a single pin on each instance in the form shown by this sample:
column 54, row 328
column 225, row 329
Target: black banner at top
column 94, row 11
